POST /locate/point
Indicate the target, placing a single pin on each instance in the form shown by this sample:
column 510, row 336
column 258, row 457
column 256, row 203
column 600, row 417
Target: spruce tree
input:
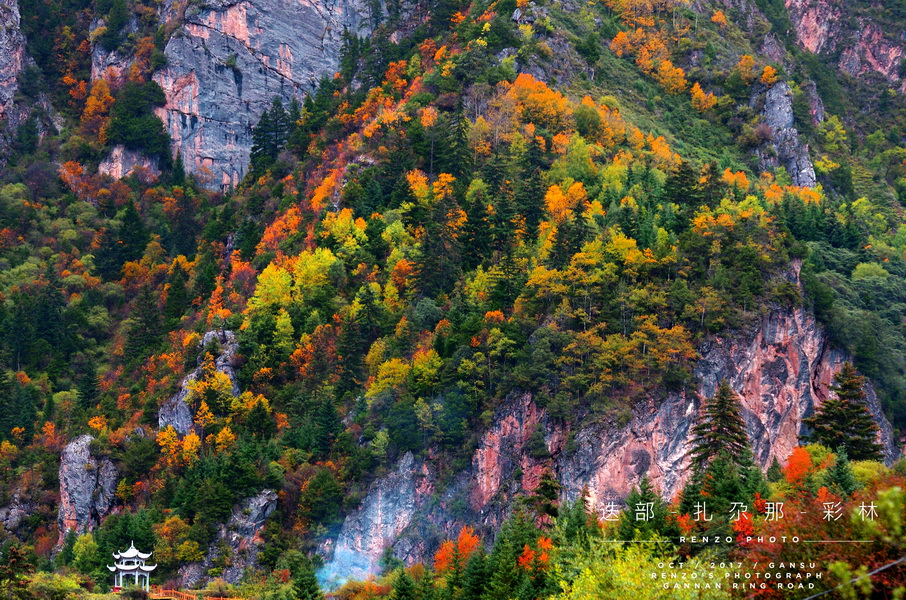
column 645, row 514
column 108, row 258
column 775, row 472
column 475, row 577
column 842, row 423
column 145, row 325
column 178, row 173
column 260, row 155
column 720, row 429
column 177, row 295
column 89, row 385
column 403, row 587
column 840, row 478
column 327, row 426
column 305, row 586
column 205, row 275
column 133, row 236
column 270, row 135
column 530, row 200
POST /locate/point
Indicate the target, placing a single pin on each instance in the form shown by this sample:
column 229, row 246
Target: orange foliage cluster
column 455, row 554
column 702, row 101
column 746, row 68
column 281, row 228
column 539, row 104
column 97, row 108
column 737, row 179
column 673, row 79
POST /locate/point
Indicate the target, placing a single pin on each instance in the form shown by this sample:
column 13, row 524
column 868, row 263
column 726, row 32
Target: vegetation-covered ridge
column 565, row 200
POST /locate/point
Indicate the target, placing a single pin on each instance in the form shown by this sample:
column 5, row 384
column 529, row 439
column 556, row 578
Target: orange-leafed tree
column 95, row 117
column 672, row 78
column 620, row 44
column 746, row 68
column 798, row 466
column 453, row 555
column 702, row 101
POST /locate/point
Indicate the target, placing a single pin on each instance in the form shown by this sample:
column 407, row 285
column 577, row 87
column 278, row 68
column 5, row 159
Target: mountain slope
column 378, row 276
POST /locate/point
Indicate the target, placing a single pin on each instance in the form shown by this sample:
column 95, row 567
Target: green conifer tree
column 177, row 295
column 720, row 429
column 840, row 478
column 475, row 577
column 645, row 514
column 403, row 587
column 145, row 325
column 305, row 585
column 842, row 422
column 327, row 426
column 132, row 235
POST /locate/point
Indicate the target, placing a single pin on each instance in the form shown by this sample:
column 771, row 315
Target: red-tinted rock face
column 826, row 27
column 122, row 162
column 502, row 450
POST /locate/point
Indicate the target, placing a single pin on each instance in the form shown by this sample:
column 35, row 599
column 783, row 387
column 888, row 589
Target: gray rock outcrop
column 19, row 508
column 240, row 536
column 87, row 487
column 231, row 58
column 15, row 109
column 175, row 412
column 13, row 59
column 788, row 150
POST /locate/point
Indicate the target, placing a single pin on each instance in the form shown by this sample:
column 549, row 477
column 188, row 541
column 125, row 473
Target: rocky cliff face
column 860, row 45
column 785, row 148
column 385, row 513
column 228, row 61
column 12, row 54
column 87, row 486
column 175, row 412
column 13, row 59
column 240, row 537
column 781, row 369
column 122, row 162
